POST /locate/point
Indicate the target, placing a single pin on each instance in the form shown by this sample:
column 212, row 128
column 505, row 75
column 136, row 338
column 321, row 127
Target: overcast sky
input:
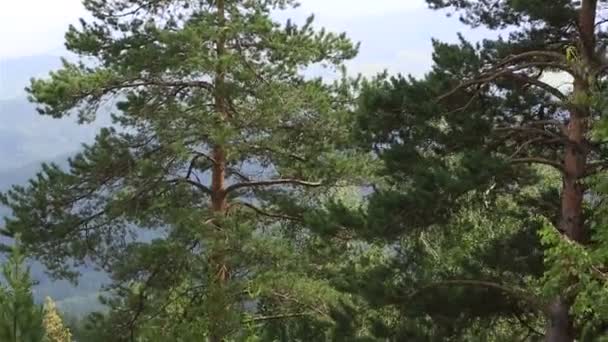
column 30, row 27
column 395, row 35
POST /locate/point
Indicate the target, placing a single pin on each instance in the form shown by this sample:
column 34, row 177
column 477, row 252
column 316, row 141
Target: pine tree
column 20, row 317
column 487, row 111
column 54, row 329
column 219, row 144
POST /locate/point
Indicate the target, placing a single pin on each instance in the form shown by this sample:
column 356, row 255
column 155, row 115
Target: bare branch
column 272, row 182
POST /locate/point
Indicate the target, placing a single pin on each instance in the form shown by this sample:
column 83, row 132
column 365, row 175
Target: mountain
column 27, row 137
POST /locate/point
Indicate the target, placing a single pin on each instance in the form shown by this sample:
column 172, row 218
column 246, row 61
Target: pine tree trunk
column 559, row 328
column 571, row 221
column 560, row 325
column 219, row 204
column 218, row 180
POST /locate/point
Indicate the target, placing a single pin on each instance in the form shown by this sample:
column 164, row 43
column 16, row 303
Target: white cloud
column 29, row 27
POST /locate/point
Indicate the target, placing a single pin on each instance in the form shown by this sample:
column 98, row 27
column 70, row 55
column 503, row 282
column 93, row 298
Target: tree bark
column 219, row 202
column 560, row 326
column 218, row 326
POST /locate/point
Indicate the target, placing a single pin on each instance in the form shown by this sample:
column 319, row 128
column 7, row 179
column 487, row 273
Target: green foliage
column 20, row 317
column 565, row 260
column 455, row 239
column 185, row 78
column 54, row 329
column 458, row 204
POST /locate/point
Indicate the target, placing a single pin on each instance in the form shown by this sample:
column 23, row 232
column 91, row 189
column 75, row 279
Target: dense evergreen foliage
column 20, row 317
column 235, row 199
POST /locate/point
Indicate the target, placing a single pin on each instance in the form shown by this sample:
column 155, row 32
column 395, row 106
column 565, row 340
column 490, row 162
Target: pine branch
column 540, row 84
column 531, row 131
column 194, row 183
column 276, row 317
column 193, row 162
column 272, row 182
column 593, row 168
column 562, row 128
column 469, row 103
column 524, row 145
column 268, row 214
column 513, row 291
column 289, row 298
column 530, row 54
column 150, row 82
column 275, row 151
column 494, row 75
column 233, row 171
column 531, row 329
column 601, row 22
column 128, row 13
column 538, row 160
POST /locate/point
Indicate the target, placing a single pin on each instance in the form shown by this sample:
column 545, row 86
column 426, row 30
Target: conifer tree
column 54, row 330
column 483, row 115
column 218, row 144
column 20, row 317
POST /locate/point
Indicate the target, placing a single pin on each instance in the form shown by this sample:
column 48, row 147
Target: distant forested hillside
column 28, row 139
column 72, row 299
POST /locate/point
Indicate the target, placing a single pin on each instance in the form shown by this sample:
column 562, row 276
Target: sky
column 394, row 35
column 30, row 27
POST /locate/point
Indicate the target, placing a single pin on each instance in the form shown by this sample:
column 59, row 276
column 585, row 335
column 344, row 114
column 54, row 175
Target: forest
column 235, row 197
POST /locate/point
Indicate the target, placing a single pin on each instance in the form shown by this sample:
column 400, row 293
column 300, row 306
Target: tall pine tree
column 218, row 143
column 484, row 114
